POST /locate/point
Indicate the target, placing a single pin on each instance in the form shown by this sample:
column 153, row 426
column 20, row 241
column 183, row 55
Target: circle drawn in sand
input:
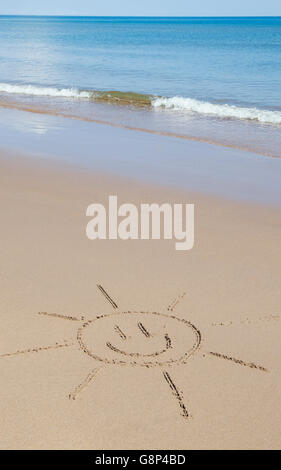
column 139, row 339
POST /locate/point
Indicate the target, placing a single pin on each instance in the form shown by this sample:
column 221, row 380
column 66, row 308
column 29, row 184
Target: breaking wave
column 218, row 110
column 43, row 91
column 177, row 103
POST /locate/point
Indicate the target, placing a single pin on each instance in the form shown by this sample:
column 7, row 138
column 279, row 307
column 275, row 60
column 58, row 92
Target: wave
column 43, row 91
column 119, row 97
column 219, row 110
column 177, row 103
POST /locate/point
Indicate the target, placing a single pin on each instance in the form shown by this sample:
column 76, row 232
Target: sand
column 224, row 295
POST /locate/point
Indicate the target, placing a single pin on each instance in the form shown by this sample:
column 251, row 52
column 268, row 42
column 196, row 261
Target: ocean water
column 211, row 79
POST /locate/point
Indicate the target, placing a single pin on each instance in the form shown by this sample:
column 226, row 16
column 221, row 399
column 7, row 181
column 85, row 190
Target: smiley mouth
column 168, row 345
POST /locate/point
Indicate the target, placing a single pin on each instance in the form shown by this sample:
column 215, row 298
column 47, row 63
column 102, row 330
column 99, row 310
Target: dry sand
column 55, row 395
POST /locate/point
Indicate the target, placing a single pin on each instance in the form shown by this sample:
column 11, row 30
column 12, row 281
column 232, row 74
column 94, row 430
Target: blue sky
column 144, row 7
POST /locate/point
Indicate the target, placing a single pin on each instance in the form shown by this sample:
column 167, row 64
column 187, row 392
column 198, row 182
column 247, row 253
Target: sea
column 214, row 80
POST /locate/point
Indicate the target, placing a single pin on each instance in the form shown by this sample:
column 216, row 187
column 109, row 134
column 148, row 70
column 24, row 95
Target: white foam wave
column 43, row 91
column 218, row 110
column 177, row 103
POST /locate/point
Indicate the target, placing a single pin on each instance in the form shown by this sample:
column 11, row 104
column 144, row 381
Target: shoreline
column 28, row 104
column 137, row 129
column 154, row 159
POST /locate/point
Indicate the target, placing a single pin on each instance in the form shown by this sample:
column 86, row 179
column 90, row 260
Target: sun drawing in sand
column 136, row 339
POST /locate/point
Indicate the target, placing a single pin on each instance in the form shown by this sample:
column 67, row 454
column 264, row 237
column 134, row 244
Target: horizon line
column 139, row 16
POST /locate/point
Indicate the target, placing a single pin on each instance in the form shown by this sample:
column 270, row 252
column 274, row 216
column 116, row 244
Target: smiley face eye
column 120, row 332
column 141, row 327
column 144, row 330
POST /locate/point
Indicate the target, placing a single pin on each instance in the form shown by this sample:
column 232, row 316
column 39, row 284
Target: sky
column 142, row 7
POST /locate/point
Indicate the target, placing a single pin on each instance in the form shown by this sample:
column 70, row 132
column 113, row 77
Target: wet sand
column 225, row 294
column 155, row 159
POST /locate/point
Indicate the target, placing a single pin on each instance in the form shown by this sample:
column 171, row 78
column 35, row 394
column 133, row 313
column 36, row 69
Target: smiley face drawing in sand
column 136, row 339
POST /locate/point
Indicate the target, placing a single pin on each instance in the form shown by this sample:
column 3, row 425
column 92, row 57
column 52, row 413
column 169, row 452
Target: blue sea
column 211, row 79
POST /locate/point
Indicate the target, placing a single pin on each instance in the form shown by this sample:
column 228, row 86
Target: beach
column 167, row 340
column 227, row 286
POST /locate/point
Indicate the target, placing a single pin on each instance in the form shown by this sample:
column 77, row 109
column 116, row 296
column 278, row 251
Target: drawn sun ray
column 237, row 361
column 84, row 383
column 39, row 349
column 247, row 321
column 107, row 296
column 63, row 317
column 175, row 302
column 136, row 339
column 177, row 394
